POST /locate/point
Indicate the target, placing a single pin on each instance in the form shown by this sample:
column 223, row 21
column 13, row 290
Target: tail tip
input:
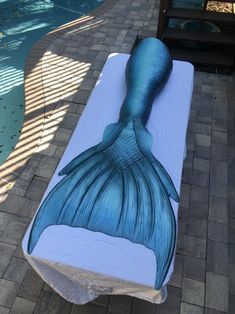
column 62, row 172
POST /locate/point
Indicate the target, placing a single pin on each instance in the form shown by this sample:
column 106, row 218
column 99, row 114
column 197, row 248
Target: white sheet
column 81, row 264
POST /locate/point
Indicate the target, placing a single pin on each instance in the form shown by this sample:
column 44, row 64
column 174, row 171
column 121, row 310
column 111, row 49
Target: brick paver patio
column 59, row 76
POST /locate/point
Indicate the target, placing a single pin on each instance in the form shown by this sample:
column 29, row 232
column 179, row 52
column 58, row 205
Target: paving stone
column 221, row 85
column 49, row 150
column 197, row 227
column 219, row 152
column 47, row 167
column 70, row 120
column 28, row 173
column 217, row 258
column 219, row 125
column 20, row 187
column 230, row 127
column 88, row 308
column 199, row 202
column 12, row 227
column 218, row 179
column 120, row 304
column 196, row 177
column 35, row 160
column 219, row 189
column 231, row 271
column 231, row 303
column 37, row 188
column 231, row 231
column 176, row 278
column 218, row 232
column 59, row 151
column 183, row 212
column 33, row 206
column 19, row 251
column 204, row 118
column 102, row 300
column 231, row 175
column 193, row 116
column 231, row 250
column 4, row 310
column 7, row 251
column 196, row 97
column 190, row 141
column 202, row 129
column 201, row 164
column 210, row 311
column 182, row 225
column 206, row 96
column 190, row 309
column 16, row 270
column 32, row 286
column 194, row 268
column 231, row 156
column 231, row 208
column 15, row 205
column 199, row 210
column 23, row 306
column 193, row 291
column 141, row 306
column 188, row 161
column 48, row 288
column 202, row 151
column 231, row 190
column 219, row 110
column 191, row 246
column 219, row 93
column 204, row 114
column 184, row 195
column 8, row 292
column 199, row 193
column 218, row 210
column 203, row 140
column 172, row 303
column 50, row 302
column 219, row 171
column 219, row 137
column 217, row 292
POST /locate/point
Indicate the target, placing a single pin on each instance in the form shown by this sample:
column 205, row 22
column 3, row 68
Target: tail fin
column 107, row 189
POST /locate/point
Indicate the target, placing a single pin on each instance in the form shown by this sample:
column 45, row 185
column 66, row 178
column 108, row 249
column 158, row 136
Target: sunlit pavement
column 22, row 24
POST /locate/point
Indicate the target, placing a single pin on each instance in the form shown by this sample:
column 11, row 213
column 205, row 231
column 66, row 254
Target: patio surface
column 60, row 73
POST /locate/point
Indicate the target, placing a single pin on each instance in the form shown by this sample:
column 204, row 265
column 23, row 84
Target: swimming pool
column 22, row 23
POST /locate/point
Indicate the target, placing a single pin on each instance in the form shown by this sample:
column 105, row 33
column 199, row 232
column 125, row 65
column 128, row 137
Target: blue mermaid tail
column 118, row 187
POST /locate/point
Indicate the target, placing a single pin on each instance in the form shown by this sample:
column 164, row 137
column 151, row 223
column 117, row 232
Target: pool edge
column 31, row 135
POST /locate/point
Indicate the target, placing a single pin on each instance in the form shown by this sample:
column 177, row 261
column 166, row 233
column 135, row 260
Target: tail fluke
column 56, row 207
column 108, row 190
column 77, row 161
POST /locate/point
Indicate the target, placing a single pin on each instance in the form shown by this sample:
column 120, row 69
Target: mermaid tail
column 118, row 187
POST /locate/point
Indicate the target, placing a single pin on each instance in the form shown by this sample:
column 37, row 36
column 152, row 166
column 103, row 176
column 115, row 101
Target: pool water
column 22, row 23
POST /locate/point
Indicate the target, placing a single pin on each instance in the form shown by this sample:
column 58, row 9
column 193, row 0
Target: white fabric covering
column 80, row 264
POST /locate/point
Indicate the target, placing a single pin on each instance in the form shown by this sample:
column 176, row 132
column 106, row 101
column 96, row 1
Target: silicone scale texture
column 118, row 187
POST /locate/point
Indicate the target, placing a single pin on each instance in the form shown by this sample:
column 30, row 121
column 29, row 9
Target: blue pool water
column 22, row 23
